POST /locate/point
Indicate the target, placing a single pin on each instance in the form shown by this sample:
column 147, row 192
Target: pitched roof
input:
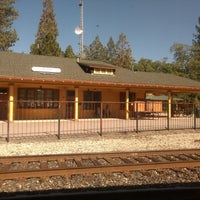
column 17, row 66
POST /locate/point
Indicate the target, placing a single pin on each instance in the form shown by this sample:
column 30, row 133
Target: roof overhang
column 152, row 87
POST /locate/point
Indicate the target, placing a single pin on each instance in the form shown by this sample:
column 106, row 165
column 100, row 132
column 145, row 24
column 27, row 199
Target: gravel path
column 156, row 140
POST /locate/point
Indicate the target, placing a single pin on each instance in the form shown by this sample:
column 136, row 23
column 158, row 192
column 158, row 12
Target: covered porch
column 78, row 102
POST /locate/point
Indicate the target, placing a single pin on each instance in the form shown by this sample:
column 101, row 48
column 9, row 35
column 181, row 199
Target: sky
column 151, row 26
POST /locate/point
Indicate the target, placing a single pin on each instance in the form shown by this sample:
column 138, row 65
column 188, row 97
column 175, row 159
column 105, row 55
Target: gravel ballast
column 112, row 142
column 116, row 142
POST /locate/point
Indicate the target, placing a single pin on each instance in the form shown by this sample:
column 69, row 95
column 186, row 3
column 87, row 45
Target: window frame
column 90, row 97
column 38, row 98
column 103, row 71
column 122, row 99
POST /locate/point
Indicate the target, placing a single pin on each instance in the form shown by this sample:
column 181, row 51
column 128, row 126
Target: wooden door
column 3, row 103
column 70, row 97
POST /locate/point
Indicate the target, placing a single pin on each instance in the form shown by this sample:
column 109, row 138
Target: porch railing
column 51, row 118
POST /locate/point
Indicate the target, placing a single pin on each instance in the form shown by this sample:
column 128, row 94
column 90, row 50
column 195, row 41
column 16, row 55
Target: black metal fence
column 47, row 118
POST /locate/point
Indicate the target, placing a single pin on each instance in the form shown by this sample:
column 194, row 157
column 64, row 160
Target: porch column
column 11, row 103
column 127, row 104
column 76, row 104
column 169, row 111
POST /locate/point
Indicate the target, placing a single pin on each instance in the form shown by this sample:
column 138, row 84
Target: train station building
column 37, row 84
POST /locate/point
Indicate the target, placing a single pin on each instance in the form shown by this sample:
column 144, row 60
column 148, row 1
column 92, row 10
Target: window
column 131, row 96
column 123, row 99
column 70, row 95
column 38, row 98
column 89, row 97
column 103, row 71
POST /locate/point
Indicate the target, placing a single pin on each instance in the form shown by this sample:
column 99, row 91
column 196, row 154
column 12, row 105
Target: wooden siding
column 110, row 97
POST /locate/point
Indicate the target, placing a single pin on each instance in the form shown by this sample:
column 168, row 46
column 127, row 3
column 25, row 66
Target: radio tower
column 81, row 28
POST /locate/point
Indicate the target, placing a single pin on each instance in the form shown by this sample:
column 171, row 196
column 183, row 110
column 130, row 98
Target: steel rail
column 96, row 169
column 31, row 158
column 63, row 170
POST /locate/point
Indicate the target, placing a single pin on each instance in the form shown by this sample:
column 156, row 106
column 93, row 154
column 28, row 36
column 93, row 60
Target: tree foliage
column 145, row 65
column 48, row 46
column 110, row 51
column 196, row 40
column 182, row 57
column 47, row 31
column 187, row 58
column 96, row 50
column 8, row 14
column 195, row 51
column 187, row 61
column 69, row 53
column 123, row 53
column 118, row 54
column 47, row 21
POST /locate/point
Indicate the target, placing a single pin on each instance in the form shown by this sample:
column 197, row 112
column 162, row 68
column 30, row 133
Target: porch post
column 11, row 103
column 169, row 112
column 76, row 103
column 127, row 104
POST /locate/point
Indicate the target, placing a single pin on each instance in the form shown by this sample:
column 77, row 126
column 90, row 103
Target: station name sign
column 46, row 69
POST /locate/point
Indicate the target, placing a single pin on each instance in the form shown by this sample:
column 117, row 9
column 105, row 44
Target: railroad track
column 87, row 164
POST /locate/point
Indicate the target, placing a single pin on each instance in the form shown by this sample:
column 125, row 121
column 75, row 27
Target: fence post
column 8, row 131
column 137, row 129
column 168, row 116
column 59, row 121
column 101, row 116
column 194, row 111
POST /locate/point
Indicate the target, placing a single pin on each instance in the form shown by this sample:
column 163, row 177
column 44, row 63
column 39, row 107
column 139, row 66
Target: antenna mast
column 81, row 28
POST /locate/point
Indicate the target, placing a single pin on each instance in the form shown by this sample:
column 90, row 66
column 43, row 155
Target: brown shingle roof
column 20, row 66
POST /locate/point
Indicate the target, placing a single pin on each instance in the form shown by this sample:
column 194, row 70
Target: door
column 70, row 97
column 3, row 103
column 97, row 106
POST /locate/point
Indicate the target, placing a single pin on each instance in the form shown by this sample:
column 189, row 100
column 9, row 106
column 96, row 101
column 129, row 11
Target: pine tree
column 182, row 56
column 195, row 61
column 47, row 30
column 123, row 53
column 196, row 40
column 69, row 53
column 48, row 46
column 96, row 50
column 110, row 50
column 8, row 14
